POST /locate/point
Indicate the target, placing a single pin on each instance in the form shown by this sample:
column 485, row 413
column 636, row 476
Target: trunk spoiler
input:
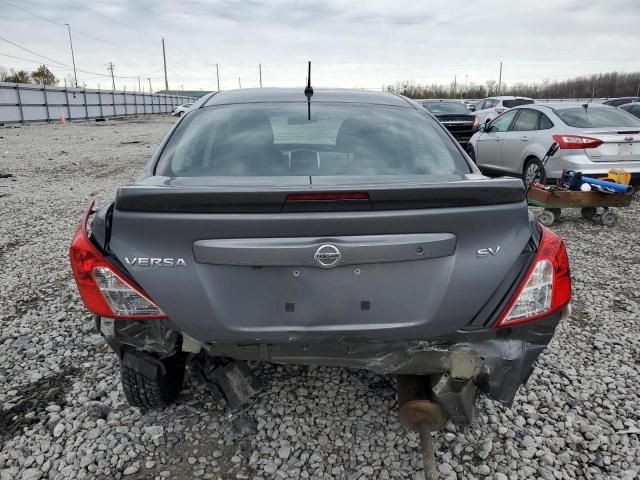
column 261, row 199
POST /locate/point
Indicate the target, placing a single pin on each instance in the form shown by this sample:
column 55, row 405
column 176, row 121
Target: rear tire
column 147, row 390
column 546, row 218
column 531, row 166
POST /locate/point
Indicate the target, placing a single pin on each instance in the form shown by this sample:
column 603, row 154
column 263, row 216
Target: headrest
column 249, row 127
column 354, row 133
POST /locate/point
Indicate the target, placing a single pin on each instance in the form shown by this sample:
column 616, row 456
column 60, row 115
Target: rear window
column 596, row 117
column 279, row 139
column 446, row 107
column 516, row 102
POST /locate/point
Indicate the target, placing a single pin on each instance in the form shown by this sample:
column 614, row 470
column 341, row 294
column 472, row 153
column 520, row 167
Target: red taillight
column 545, row 289
column 310, row 197
column 476, row 122
column 572, row 142
column 103, row 289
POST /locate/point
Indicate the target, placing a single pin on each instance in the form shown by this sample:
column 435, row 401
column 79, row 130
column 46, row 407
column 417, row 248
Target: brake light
column 103, row 289
column 572, row 142
column 545, row 289
column 306, row 197
column 476, row 122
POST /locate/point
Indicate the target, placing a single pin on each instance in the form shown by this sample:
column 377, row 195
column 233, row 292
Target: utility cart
column 593, row 205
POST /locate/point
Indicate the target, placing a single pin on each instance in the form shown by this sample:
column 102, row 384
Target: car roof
column 564, row 105
column 438, row 100
column 264, row 95
column 508, row 97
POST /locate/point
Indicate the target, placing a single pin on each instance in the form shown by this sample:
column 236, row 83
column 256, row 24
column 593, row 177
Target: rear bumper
column 581, row 163
column 497, row 362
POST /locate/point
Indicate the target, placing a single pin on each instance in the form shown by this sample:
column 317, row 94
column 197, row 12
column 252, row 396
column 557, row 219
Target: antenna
column 308, row 92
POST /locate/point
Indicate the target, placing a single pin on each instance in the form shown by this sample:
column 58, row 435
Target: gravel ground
column 63, row 413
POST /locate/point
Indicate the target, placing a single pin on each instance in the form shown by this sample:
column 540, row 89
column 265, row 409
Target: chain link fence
column 23, row 103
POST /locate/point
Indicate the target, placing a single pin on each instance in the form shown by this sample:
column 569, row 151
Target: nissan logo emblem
column 327, row 256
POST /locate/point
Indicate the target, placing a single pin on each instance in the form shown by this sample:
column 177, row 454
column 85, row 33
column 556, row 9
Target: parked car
column 454, row 116
column 348, row 230
column 180, row 109
column 490, row 108
column 470, row 104
column 616, row 102
column 632, row 108
column 593, row 138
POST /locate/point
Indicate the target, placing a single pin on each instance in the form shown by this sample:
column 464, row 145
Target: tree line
column 599, row 85
column 41, row 76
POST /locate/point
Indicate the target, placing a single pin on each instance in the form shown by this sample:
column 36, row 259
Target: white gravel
column 63, row 415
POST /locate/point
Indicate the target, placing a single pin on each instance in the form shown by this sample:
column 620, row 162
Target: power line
column 32, row 52
column 98, row 39
column 114, row 20
column 95, row 74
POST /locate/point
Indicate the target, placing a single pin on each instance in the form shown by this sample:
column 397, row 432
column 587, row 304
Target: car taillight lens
column 476, row 122
column 572, row 142
column 545, row 289
column 103, row 289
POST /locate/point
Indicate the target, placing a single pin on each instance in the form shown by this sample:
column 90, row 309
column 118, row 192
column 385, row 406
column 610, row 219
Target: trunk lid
column 619, row 144
column 403, row 263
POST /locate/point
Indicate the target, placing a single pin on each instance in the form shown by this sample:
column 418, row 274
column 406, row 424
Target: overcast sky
column 355, row 43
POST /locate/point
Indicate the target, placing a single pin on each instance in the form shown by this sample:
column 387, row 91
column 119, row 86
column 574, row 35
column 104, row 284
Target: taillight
column 572, row 142
column 476, row 122
column 103, row 289
column 545, row 289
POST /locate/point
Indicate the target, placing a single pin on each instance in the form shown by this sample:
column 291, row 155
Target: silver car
column 593, row 139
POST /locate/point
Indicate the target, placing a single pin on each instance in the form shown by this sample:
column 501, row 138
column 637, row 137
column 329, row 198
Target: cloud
column 360, row 43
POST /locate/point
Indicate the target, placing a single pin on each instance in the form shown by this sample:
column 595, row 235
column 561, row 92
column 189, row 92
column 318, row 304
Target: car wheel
column 152, row 388
column 546, row 218
column 531, row 169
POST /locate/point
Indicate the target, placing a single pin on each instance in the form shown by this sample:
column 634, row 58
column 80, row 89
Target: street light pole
column 73, row 58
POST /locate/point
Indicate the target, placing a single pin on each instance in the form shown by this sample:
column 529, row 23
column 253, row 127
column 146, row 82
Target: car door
column 518, row 138
column 489, row 146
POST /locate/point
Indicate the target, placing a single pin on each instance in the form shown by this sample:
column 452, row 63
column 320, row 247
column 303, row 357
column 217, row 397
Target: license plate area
column 625, row 148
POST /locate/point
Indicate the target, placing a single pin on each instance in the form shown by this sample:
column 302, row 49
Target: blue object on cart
column 607, row 187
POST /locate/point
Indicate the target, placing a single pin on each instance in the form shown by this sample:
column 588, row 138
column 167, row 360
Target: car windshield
column 279, row 139
column 581, row 117
column 445, row 107
column 516, row 102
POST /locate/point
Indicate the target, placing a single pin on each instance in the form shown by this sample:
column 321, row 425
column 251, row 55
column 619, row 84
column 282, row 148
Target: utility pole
column 500, row 79
column 150, row 90
column 73, row 58
column 164, row 58
column 260, row 72
column 139, row 87
column 466, row 84
column 113, row 80
column 239, row 83
column 218, row 76
column 455, row 84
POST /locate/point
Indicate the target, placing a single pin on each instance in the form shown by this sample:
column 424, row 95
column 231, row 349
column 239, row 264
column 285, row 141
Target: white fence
column 36, row 103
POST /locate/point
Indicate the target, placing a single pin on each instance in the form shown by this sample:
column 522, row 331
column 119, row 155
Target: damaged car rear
column 342, row 228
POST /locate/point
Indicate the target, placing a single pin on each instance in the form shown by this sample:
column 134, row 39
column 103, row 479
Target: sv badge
column 485, row 252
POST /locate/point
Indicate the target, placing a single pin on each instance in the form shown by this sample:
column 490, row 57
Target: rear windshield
column 445, row 107
column 279, row 139
column 515, row 102
column 581, row 117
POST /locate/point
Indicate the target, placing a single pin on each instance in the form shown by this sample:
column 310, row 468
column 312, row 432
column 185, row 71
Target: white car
column 180, row 109
column 491, row 107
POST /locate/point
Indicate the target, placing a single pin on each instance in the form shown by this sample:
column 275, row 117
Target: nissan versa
column 335, row 227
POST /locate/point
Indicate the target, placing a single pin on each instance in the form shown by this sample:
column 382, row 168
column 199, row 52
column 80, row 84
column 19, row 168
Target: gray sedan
column 593, row 139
